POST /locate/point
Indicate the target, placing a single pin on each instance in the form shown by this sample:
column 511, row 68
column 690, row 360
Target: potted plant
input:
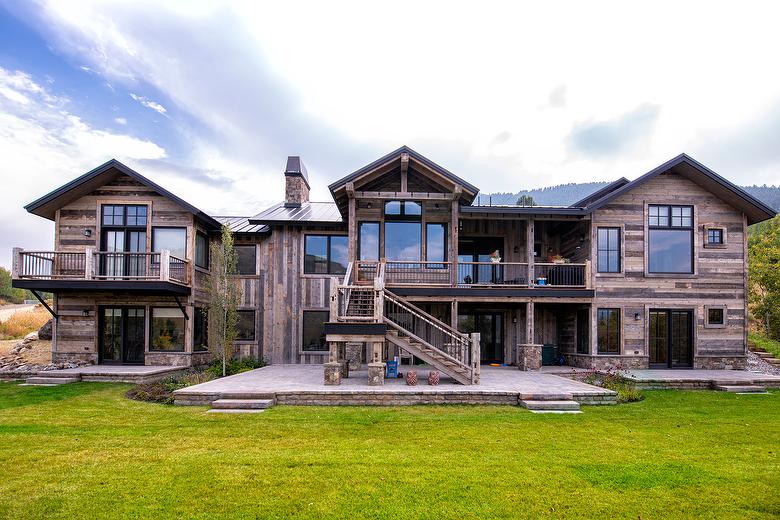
column 495, row 257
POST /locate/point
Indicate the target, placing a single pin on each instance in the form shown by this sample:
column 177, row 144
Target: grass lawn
column 767, row 344
column 83, row 450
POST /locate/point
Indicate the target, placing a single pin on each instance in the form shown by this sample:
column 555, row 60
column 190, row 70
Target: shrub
column 234, row 366
column 162, row 391
column 627, row 392
column 19, row 324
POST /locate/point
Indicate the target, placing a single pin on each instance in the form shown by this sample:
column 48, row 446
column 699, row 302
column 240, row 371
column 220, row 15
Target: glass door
column 122, row 333
column 490, row 326
column 479, row 250
column 671, row 338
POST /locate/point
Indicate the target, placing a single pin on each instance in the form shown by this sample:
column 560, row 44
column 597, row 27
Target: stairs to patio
column 549, row 403
column 51, row 379
column 241, row 405
column 741, row 388
column 450, row 366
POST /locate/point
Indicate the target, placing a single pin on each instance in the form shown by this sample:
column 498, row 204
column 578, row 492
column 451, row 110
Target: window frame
column 150, row 333
column 254, row 264
column 124, row 223
column 599, row 348
column 200, row 234
column 445, row 251
column 328, row 251
column 710, row 325
column 378, row 241
column 199, row 313
column 301, row 349
column 619, row 230
column 157, row 260
column 253, row 339
column 670, row 227
column 715, row 245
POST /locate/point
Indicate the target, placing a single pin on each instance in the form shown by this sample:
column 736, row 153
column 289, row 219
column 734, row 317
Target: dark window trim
column 200, row 313
column 446, row 241
column 151, row 319
column 169, row 227
column 328, row 252
column 254, row 327
column 199, row 234
column 379, row 238
column 124, row 224
column 669, row 227
column 325, row 349
column 619, row 331
column 619, row 250
column 254, row 264
column 403, row 216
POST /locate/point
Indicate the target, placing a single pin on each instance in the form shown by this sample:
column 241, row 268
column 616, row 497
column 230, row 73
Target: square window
column 247, row 258
column 167, row 330
column 325, row 254
column 715, row 236
column 716, row 316
column 246, row 326
column 313, row 333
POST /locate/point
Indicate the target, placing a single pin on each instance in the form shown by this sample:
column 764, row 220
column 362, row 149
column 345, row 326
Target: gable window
column 670, row 240
column 173, row 239
column 403, row 230
column 608, row 331
column 608, row 245
column 313, row 333
column 246, row 259
column 715, row 237
column 123, row 215
column 715, row 316
column 202, row 250
column 368, row 240
column 325, row 254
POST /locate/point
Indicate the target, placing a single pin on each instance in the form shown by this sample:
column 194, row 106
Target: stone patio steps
column 549, row 403
column 50, row 381
column 741, row 388
column 242, row 404
column 235, row 410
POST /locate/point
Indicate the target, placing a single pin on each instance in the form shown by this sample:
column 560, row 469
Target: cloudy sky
column 208, row 99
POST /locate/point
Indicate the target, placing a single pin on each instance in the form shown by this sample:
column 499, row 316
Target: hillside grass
column 768, row 344
column 84, row 451
column 21, row 323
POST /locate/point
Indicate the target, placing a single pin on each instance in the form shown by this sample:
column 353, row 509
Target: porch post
column 165, row 265
column 529, row 249
column 376, row 368
column 334, row 299
column 16, row 262
column 89, row 259
column 453, row 245
column 475, row 357
column 332, row 369
column 351, row 224
column 529, row 353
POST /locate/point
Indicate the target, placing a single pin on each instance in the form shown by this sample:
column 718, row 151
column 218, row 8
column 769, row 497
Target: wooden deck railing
column 99, row 265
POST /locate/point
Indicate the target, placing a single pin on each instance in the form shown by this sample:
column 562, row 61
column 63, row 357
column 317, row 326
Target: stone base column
column 332, row 373
column 529, row 357
column 354, row 355
column 376, row 374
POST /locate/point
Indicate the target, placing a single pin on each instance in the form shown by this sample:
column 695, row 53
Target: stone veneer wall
column 720, row 363
column 605, row 362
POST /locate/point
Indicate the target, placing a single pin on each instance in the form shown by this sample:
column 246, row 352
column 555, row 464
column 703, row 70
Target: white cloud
column 148, row 103
column 43, row 146
column 120, row 120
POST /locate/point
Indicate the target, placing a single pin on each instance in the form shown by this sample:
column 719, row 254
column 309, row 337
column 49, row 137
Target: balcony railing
column 472, row 274
column 99, row 265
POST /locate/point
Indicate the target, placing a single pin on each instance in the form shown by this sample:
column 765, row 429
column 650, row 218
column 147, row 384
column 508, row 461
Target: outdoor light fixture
column 87, row 232
column 85, row 313
column 516, row 249
column 637, row 316
column 368, row 205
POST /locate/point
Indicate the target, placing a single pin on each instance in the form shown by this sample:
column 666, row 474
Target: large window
column 368, row 240
column 403, row 230
column 608, row 331
column 247, row 259
column 200, row 331
column 173, row 239
column 325, row 254
column 608, row 244
column 202, row 250
column 246, row 326
column 123, row 231
column 167, row 330
column 670, row 243
column 313, row 335
column 436, row 242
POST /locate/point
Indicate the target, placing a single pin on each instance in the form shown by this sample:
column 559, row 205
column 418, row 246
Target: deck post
column 332, row 369
column 89, row 259
column 334, row 299
column 165, row 265
column 588, row 274
column 529, row 249
column 453, row 238
column 475, row 357
column 16, row 262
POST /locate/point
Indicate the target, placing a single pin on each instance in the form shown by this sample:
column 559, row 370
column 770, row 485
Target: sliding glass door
column 671, row 338
column 121, row 335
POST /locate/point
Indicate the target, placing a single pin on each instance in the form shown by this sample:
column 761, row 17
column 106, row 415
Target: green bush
column 235, row 366
column 162, row 391
column 627, row 392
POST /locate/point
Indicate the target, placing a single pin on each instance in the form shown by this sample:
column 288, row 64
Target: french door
column 121, row 335
column 118, row 246
column 490, row 326
column 473, row 250
column 671, row 338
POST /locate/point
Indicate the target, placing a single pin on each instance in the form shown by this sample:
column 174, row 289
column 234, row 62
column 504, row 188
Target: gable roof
column 326, row 213
column 469, row 190
column 47, row 205
column 693, row 170
column 609, row 188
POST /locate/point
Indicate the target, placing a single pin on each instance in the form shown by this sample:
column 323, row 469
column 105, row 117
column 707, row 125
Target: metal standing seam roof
column 314, row 212
column 241, row 225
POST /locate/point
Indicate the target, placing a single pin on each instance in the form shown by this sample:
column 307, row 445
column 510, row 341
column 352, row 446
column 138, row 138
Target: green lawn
column 83, row 450
column 767, row 344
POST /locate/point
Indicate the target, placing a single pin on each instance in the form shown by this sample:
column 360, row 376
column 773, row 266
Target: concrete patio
column 303, row 385
column 658, row 379
column 112, row 373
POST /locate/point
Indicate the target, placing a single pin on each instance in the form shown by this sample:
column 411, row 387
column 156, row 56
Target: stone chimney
column 296, row 182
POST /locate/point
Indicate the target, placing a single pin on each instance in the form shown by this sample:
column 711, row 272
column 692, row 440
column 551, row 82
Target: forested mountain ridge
column 566, row 194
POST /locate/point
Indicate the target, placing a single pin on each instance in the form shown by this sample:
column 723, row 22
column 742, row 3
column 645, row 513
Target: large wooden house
column 402, row 262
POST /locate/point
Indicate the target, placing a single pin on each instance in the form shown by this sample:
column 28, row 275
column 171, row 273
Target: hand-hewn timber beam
column 404, row 171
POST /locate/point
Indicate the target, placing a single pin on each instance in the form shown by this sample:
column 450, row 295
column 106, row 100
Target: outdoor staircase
column 241, row 405
column 549, row 403
column 408, row 327
column 740, row 387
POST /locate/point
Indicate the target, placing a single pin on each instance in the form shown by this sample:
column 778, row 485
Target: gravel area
column 756, row 364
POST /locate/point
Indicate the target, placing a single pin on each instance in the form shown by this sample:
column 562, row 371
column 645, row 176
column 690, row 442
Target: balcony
column 507, row 275
column 100, row 270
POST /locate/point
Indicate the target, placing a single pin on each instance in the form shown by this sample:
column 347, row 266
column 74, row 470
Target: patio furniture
column 392, row 369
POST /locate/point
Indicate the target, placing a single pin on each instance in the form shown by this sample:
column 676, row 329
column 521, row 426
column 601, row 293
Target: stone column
column 529, row 356
column 354, row 355
column 376, row 366
column 332, row 369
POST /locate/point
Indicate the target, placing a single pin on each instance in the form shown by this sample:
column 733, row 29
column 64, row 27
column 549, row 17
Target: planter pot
column 411, row 378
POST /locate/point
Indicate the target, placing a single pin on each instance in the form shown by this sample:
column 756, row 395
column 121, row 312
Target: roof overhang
column 48, row 205
column 696, row 172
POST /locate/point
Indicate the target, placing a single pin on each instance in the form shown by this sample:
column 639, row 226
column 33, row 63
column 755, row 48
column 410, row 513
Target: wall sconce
column 516, row 249
column 368, row 205
column 637, row 316
column 436, row 205
column 87, row 232
column 85, row 313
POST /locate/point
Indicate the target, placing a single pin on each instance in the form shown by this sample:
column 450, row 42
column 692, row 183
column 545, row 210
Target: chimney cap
column 296, row 168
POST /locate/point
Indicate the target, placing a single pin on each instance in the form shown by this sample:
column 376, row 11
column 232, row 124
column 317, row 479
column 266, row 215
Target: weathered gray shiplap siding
column 719, row 274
